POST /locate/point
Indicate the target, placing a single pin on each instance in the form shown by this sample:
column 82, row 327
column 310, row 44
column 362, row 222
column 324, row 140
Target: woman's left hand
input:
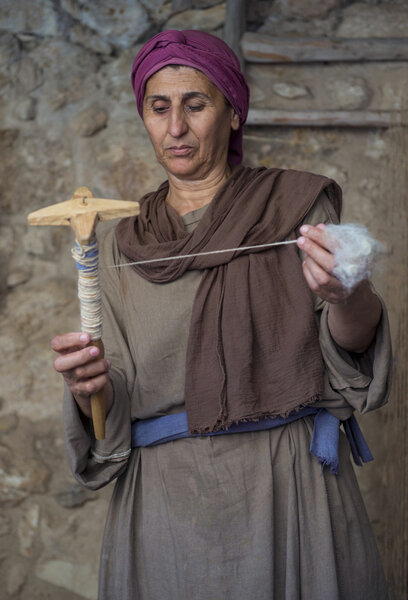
column 319, row 263
column 353, row 313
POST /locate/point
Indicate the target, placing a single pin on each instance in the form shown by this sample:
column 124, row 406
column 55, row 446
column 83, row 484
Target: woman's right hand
column 84, row 373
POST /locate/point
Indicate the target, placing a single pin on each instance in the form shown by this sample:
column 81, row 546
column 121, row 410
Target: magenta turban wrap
column 206, row 53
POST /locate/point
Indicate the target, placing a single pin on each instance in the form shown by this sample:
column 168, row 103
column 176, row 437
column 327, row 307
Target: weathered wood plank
column 321, row 118
column 266, row 49
column 234, row 26
column 395, row 427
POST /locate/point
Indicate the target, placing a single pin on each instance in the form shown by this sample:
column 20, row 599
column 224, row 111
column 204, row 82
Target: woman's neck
column 185, row 196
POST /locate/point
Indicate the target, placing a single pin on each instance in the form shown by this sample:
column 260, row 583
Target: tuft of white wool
column 355, row 251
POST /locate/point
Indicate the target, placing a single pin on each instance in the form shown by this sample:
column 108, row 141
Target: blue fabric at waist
column 324, row 444
column 150, row 432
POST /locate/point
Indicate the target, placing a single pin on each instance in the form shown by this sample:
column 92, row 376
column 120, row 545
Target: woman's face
column 188, row 121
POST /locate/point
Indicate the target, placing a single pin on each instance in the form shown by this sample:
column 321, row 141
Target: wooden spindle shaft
column 98, row 400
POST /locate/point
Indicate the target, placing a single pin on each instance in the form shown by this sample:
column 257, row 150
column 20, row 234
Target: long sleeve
column 351, row 381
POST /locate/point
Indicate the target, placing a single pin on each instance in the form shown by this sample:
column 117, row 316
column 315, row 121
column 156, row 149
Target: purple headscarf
column 206, row 53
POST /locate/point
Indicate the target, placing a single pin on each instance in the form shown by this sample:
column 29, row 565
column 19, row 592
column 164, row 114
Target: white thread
column 89, row 293
column 167, row 258
column 354, row 253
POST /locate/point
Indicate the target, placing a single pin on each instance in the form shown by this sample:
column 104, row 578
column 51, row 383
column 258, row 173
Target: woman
column 232, row 339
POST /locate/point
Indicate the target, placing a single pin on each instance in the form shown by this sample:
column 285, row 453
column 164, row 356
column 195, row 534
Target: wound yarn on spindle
column 89, row 293
column 354, row 252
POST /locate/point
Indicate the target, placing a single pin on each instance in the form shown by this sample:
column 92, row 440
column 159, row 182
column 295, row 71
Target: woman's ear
column 234, row 121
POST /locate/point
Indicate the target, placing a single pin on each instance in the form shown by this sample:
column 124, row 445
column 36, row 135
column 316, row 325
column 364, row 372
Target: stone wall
column 68, row 118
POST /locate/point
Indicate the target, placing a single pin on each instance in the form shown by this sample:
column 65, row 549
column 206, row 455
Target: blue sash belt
column 324, row 445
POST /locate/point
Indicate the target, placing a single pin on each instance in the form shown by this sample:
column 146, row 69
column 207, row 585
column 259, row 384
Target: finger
column 69, row 341
column 319, row 236
column 323, row 284
column 322, row 277
column 319, row 254
column 72, row 360
column 93, row 369
column 88, row 387
column 311, row 282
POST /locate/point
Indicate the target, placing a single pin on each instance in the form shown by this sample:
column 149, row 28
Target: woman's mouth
column 180, row 150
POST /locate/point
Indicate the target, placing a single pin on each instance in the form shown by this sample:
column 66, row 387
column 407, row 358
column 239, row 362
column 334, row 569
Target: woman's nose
column 177, row 122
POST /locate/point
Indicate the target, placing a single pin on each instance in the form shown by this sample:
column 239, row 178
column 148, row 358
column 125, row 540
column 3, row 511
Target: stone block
column 32, row 308
column 348, row 93
column 178, row 5
column 4, row 270
column 16, row 578
column 37, row 17
column 9, row 53
column 38, row 242
column 131, row 175
column 119, row 22
column 20, row 474
column 71, row 71
column 18, row 277
column 27, row 529
column 79, row 34
column 12, row 346
column 27, row 75
column 208, row 19
column 91, row 120
column 335, row 172
column 25, row 109
column 362, row 20
column 159, row 11
column 305, row 10
column 7, row 237
column 5, row 525
column 376, row 148
column 204, row 3
column 78, row 578
column 289, row 90
column 277, row 25
column 73, row 495
column 257, row 11
column 8, row 422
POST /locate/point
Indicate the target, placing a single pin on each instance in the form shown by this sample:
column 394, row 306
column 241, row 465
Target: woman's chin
column 182, row 167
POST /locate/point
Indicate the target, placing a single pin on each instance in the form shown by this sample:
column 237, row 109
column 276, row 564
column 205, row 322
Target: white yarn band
column 354, row 253
column 89, row 293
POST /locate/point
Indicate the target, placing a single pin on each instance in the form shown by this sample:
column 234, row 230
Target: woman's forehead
column 179, row 77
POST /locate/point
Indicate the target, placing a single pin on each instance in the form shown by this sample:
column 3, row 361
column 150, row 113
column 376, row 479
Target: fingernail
column 301, row 241
column 94, row 352
column 83, row 337
column 109, row 363
column 304, row 229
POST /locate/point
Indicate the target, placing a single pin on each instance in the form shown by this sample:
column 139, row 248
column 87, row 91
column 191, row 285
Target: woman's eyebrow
column 189, row 95
column 154, row 97
column 186, row 96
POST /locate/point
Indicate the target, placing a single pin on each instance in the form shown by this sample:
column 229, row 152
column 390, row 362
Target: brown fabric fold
column 253, row 321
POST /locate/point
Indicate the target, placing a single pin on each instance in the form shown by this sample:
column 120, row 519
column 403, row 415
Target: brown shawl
column 253, row 347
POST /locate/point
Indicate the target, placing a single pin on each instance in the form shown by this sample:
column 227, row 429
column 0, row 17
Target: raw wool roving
column 354, row 253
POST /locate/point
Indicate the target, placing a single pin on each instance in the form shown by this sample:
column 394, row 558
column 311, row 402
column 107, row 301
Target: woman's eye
column 159, row 109
column 195, row 107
